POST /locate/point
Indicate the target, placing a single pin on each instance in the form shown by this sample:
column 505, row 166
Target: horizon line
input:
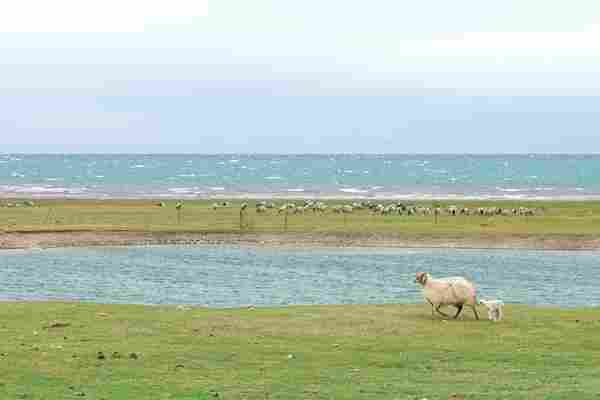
column 302, row 154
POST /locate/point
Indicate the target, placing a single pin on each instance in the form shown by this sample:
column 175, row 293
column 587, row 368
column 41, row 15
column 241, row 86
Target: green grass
column 337, row 352
column 560, row 218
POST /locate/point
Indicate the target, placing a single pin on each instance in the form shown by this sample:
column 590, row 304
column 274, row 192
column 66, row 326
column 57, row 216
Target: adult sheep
column 452, row 291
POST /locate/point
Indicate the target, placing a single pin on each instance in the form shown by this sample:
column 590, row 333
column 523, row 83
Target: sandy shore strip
column 28, row 240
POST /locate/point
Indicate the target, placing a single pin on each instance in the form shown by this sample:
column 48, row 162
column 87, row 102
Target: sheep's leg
column 441, row 313
column 459, row 307
column 432, row 306
column 475, row 312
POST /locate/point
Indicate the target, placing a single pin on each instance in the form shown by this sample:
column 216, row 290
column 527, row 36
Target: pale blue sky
column 287, row 76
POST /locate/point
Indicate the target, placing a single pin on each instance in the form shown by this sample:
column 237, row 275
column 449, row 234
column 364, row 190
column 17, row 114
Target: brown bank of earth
column 25, row 240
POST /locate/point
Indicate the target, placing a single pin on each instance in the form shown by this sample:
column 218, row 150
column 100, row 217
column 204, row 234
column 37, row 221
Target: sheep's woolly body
column 453, row 291
column 449, row 291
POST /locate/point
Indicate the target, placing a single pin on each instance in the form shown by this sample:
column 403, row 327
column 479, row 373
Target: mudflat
column 24, row 240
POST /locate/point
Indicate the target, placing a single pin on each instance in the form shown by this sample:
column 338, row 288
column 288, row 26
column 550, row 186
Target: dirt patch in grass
column 24, row 240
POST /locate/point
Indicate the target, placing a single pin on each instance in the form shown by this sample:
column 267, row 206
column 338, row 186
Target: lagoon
column 234, row 276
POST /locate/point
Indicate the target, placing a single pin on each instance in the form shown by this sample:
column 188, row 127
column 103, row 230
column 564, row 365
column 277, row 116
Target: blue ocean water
column 224, row 276
column 339, row 175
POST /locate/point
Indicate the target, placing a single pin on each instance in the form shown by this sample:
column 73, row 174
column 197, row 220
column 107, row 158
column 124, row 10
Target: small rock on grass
column 58, row 324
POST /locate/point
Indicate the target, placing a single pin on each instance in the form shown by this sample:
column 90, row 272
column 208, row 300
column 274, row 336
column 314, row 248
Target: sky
column 283, row 76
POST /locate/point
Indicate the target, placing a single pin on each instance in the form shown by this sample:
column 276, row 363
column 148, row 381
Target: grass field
column 557, row 218
column 301, row 352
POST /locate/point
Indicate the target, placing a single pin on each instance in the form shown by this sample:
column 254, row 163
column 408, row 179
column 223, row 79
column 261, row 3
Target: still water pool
column 229, row 276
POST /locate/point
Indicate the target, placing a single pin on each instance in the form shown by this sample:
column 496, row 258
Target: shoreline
column 529, row 196
column 21, row 240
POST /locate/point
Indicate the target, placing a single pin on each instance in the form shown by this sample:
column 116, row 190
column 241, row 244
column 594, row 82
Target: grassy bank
column 555, row 218
column 308, row 352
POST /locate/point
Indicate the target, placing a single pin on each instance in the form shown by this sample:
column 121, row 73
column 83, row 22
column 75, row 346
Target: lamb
column 494, row 307
column 452, row 291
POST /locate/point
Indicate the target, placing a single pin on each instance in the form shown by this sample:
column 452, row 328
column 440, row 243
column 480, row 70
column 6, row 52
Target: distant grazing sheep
column 379, row 208
column 453, row 291
column 320, row 207
column 299, row 210
column 347, row 209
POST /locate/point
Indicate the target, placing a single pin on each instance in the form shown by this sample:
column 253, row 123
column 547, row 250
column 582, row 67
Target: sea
column 379, row 176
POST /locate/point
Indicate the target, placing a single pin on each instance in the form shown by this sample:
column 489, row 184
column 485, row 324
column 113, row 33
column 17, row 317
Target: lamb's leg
column 475, row 312
column 441, row 313
column 460, row 307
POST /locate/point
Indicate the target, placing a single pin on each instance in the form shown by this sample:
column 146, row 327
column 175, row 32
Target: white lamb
column 494, row 307
column 452, row 291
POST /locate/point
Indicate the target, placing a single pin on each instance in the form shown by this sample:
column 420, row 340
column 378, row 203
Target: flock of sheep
column 453, row 291
column 376, row 208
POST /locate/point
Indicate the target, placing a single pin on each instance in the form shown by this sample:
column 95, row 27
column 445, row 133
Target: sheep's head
column 421, row 277
column 491, row 304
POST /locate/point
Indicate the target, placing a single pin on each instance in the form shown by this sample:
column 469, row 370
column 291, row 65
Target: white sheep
column 452, row 291
column 494, row 308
